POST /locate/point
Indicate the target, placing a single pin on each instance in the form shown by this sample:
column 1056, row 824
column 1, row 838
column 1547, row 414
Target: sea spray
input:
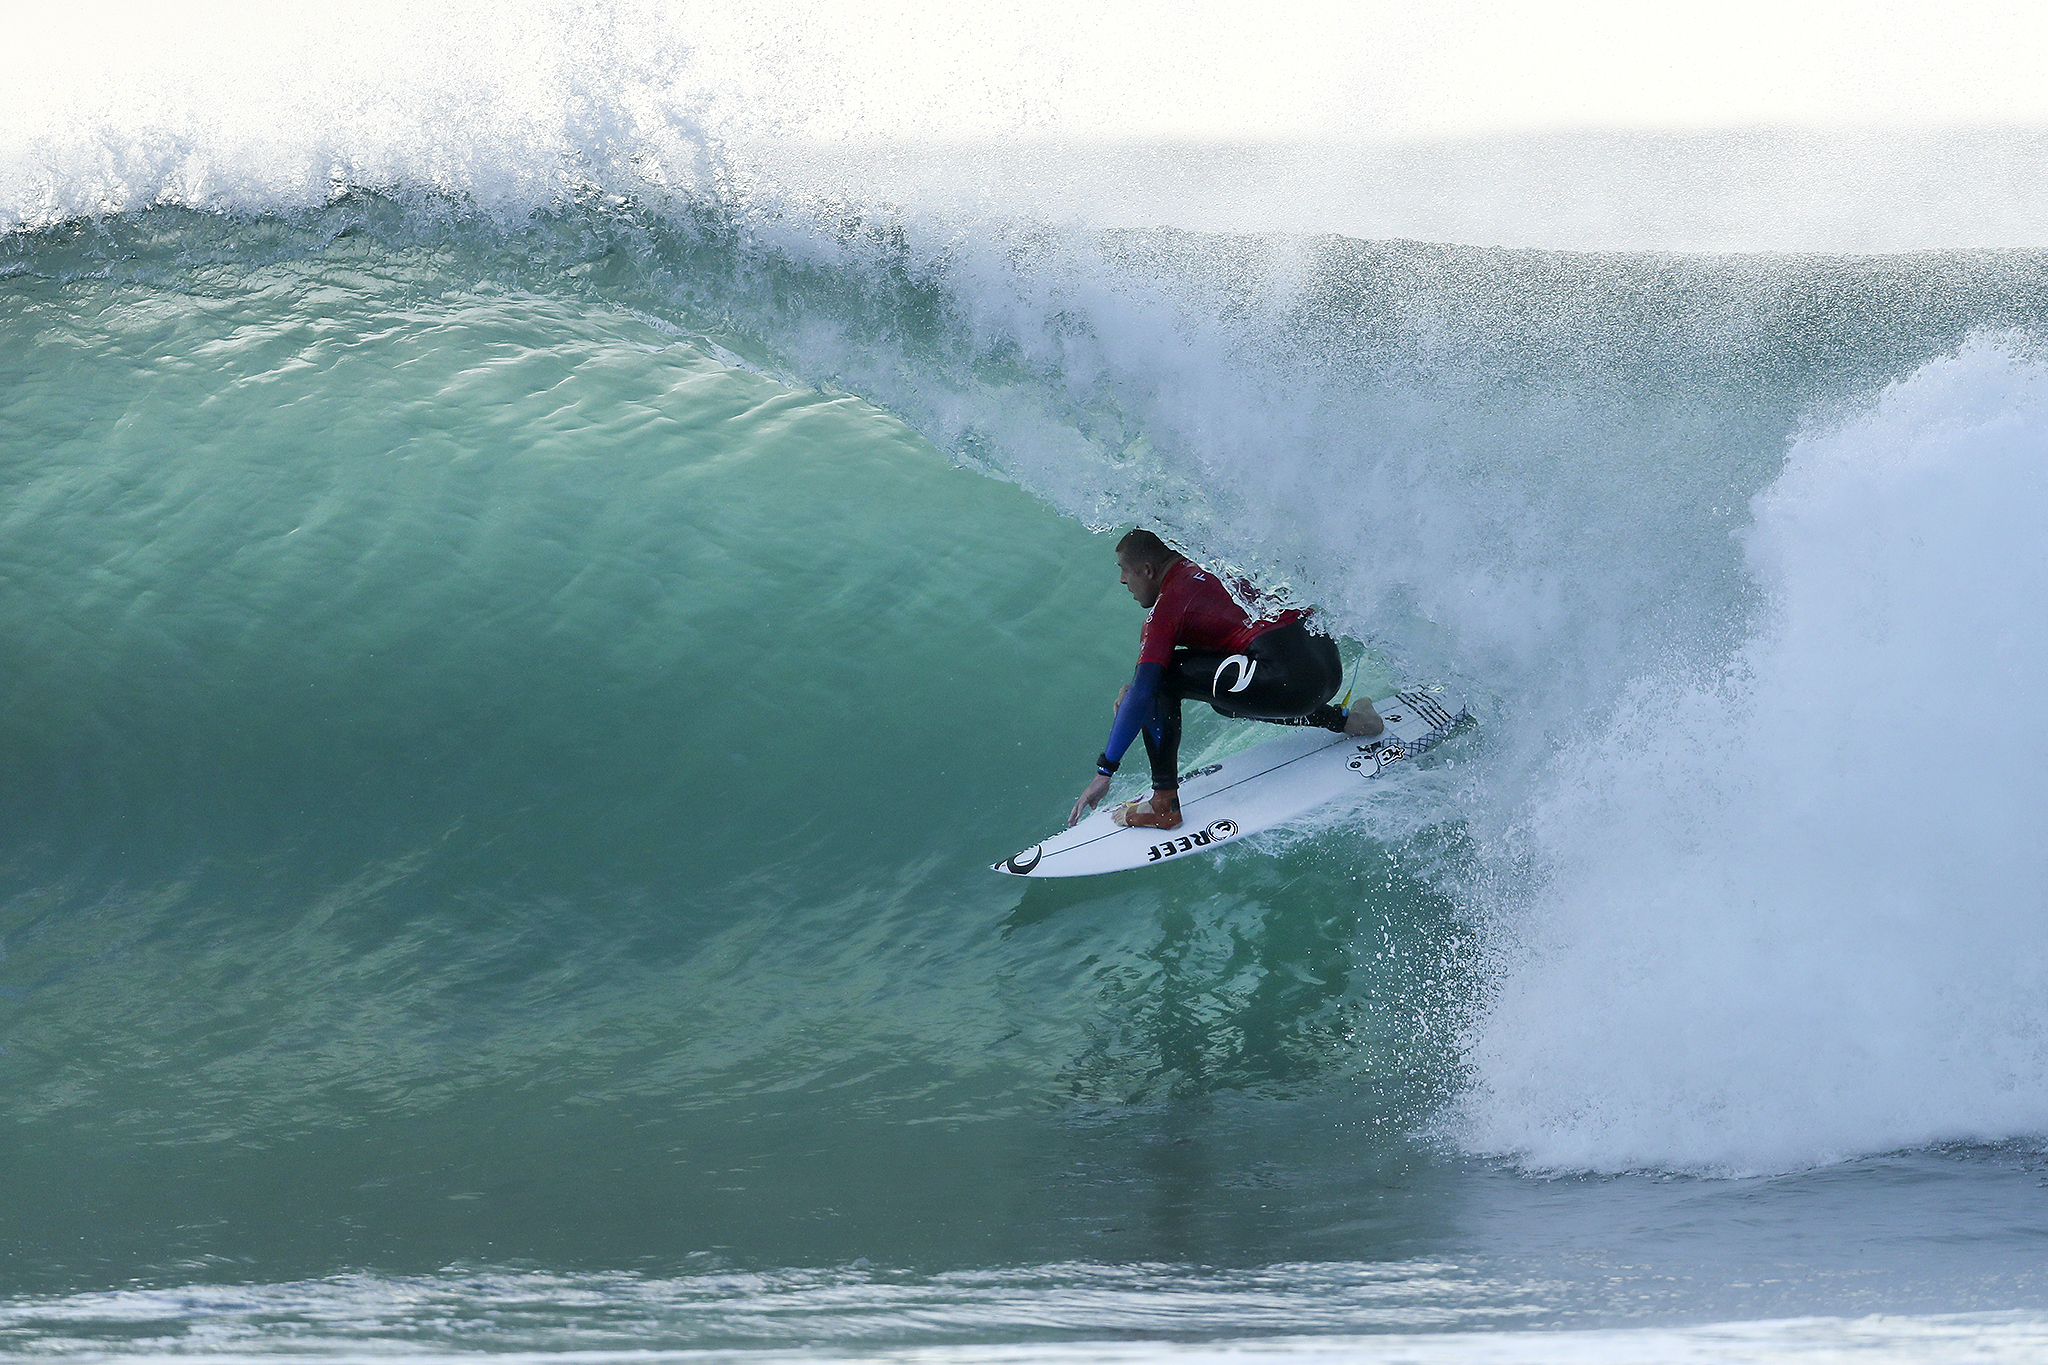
column 1793, row 914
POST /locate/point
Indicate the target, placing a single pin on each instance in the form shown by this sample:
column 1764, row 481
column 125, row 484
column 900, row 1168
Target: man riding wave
column 1199, row 644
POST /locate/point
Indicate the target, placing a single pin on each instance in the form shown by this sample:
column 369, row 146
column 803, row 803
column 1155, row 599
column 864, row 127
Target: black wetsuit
column 1198, row 644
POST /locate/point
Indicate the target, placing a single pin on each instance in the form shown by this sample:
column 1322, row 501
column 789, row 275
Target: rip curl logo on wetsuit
column 1216, row 833
column 1246, row 667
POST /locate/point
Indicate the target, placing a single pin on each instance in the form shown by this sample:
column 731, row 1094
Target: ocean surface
column 517, row 663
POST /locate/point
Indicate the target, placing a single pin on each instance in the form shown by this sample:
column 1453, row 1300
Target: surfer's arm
column 1133, row 708
column 1131, row 714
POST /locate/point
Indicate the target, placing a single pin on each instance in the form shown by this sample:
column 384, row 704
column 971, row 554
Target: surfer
column 1198, row 644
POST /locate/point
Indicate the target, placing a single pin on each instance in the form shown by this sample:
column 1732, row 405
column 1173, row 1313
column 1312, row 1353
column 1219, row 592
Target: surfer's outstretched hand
column 1097, row 789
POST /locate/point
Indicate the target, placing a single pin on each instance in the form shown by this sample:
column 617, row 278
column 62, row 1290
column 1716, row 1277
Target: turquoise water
column 508, row 716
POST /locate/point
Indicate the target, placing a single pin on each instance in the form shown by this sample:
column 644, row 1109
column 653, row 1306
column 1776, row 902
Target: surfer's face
column 1142, row 579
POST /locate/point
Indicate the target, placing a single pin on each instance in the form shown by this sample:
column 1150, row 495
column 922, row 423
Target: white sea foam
column 1796, row 913
column 1051, row 1315
column 1417, row 1312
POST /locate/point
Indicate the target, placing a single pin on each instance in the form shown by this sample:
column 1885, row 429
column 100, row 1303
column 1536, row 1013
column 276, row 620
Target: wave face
column 517, row 664
column 489, row 769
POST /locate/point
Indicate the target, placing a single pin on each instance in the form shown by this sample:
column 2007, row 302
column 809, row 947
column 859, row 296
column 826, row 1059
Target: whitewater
column 533, row 593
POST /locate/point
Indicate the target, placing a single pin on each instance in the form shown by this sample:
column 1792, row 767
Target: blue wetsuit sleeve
column 1132, row 715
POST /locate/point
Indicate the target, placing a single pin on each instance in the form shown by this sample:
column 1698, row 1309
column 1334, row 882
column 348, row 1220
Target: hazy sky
column 1123, row 68
column 1404, row 69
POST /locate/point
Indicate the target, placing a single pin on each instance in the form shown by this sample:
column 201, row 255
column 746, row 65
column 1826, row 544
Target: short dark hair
column 1142, row 547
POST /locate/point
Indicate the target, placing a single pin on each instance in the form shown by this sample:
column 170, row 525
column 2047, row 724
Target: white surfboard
column 1249, row 791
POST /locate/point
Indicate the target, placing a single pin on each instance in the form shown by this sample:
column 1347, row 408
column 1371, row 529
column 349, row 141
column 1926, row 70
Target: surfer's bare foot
column 1363, row 720
column 1160, row 811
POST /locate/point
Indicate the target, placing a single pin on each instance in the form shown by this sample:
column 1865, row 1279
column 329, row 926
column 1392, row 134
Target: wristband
column 1105, row 767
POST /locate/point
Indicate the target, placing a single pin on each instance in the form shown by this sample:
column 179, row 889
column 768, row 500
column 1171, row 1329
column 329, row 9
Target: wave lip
column 523, row 105
column 510, row 107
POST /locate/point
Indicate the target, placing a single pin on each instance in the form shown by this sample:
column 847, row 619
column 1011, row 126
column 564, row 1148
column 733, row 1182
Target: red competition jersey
column 1194, row 610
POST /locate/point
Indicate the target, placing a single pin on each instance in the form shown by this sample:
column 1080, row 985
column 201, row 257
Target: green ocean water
column 507, row 722
column 488, row 778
